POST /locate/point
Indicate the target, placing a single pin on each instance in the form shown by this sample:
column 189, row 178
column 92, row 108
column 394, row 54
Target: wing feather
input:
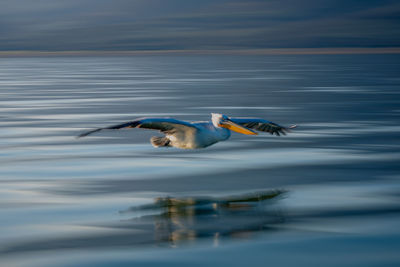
column 263, row 125
column 165, row 125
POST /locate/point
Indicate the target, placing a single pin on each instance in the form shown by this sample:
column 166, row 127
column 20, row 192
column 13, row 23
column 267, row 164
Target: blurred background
column 326, row 194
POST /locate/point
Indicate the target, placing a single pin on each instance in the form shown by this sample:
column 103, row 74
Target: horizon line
column 260, row 51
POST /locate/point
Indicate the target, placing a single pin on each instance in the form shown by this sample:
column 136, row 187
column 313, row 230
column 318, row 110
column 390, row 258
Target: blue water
column 326, row 194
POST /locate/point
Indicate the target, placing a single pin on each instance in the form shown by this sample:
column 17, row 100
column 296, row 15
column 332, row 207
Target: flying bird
column 192, row 135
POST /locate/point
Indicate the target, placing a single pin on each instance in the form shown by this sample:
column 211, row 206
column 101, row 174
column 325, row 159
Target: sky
column 136, row 25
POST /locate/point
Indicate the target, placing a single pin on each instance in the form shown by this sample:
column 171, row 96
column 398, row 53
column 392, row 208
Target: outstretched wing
column 263, row 125
column 165, row 125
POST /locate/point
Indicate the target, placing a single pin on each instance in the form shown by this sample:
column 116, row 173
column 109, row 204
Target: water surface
column 328, row 193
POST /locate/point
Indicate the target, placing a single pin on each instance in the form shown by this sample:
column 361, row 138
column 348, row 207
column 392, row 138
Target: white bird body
column 202, row 135
column 193, row 135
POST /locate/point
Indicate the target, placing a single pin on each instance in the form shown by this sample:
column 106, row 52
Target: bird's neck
column 223, row 132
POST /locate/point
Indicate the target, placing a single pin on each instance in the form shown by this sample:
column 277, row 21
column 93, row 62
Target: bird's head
column 221, row 120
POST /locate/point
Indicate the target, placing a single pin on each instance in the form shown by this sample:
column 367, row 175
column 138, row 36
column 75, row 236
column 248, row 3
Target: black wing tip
column 88, row 133
column 131, row 124
column 283, row 130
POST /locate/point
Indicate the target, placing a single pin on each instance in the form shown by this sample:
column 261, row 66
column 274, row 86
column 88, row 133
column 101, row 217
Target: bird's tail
column 159, row 141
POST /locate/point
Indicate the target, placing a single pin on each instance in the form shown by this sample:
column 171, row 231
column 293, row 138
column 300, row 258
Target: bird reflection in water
column 189, row 219
column 173, row 221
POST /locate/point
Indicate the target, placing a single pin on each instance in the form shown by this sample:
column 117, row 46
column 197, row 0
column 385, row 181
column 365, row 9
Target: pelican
column 193, row 135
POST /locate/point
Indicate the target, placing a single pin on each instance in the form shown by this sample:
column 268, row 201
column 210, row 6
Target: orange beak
column 236, row 127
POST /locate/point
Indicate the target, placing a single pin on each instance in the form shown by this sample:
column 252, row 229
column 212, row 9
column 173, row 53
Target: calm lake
column 326, row 194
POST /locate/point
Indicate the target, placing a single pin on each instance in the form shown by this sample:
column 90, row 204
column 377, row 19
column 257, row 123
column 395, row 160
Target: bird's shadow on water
column 178, row 220
column 170, row 221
